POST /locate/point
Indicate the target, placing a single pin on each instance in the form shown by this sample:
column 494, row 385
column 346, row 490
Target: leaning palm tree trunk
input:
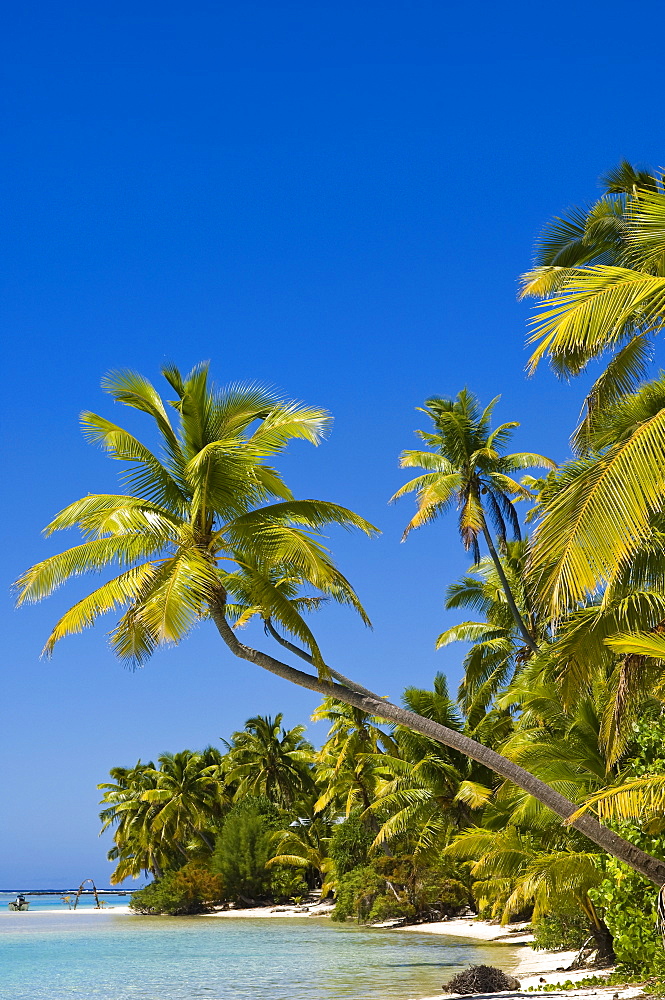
column 651, row 868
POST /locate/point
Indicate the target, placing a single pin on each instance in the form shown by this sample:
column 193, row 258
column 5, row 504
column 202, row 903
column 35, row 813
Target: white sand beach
column 531, row 968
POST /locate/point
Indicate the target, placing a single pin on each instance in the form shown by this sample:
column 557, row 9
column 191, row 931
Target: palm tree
column 347, row 764
column 498, row 651
column 618, row 637
column 600, row 275
column 189, row 514
column 514, row 870
column 467, row 468
column 136, row 847
column 304, row 844
column 595, row 513
column 198, row 508
column 427, row 790
column 190, row 797
column 266, row 759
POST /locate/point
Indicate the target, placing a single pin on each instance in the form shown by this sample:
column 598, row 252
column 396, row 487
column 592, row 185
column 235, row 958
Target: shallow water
column 55, row 902
column 102, row 956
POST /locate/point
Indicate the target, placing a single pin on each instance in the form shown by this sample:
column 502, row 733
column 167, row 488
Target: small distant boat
column 18, row 905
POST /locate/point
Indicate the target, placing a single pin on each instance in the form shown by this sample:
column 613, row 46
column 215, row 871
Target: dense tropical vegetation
column 539, row 790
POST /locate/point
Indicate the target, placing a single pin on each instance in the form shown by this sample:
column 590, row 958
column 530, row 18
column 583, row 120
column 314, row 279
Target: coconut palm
column 563, row 746
column 600, row 275
column 514, row 869
column 266, row 759
column 427, row 790
column 498, row 651
column 137, row 847
column 617, row 637
column 597, row 512
column 347, row 766
column 304, row 844
column 201, row 507
column 190, row 797
column 466, row 467
column 177, row 535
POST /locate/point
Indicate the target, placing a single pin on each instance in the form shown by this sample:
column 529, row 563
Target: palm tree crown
column 466, row 467
column 206, row 517
column 600, row 275
column 266, row 759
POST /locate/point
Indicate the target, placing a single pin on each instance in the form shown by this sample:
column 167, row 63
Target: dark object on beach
column 481, row 979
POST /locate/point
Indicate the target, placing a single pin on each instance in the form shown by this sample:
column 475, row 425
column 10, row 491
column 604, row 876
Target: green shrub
column 386, row 907
column 349, row 845
column 629, row 902
column 191, row 889
column 286, row 883
column 241, row 851
column 357, row 892
column 564, row 931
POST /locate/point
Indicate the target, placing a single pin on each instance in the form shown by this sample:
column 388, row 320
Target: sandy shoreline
column 513, row 951
column 531, row 968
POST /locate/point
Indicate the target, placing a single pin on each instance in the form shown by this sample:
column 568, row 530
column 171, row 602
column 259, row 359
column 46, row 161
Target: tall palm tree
column 600, row 279
column 595, row 513
column 137, row 847
column 199, row 508
column 266, row 759
column 427, row 790
column 618, row 636
column 192, row 515
column 466, row 467
column 347, row 764
column 190, row 797
column 498, row 651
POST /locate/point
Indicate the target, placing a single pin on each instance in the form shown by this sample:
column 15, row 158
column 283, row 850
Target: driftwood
column 481, row 979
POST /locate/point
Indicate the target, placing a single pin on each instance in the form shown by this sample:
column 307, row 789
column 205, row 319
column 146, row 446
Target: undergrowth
column 653, row 985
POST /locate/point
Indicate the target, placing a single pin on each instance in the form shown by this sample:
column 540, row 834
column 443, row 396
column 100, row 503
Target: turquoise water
column 102, row 956
column 55, row 902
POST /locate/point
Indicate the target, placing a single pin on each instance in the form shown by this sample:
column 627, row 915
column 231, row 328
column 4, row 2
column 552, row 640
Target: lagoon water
column 105, row 956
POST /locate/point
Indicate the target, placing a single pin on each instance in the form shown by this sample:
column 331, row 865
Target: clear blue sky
column 336, row 198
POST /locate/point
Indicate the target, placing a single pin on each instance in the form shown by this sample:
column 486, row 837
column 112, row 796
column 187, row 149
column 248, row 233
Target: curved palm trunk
column 206, row 840
column 651, row 868
column 510, row 600
column 292, row 648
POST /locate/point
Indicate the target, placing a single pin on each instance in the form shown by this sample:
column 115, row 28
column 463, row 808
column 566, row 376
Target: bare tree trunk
column 206, row 840
column 651, row 868
column 510, row 600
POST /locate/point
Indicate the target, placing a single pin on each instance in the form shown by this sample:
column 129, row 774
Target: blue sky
column 334, row 198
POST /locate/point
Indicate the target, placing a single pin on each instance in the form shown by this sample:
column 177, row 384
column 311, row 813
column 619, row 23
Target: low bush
column 191, row 889
column 356, row 894
column 349, row 845
column 286, row 883
column 629, row 903
column 386, row 907
column 565, row 931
